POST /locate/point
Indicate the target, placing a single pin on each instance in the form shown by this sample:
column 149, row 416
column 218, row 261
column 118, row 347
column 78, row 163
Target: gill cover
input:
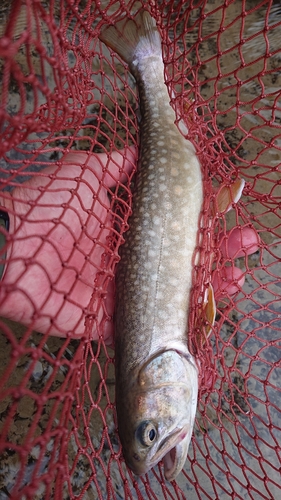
column 166, row 368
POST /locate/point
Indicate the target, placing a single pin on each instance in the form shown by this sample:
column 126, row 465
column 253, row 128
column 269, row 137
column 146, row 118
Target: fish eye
column 146, row 433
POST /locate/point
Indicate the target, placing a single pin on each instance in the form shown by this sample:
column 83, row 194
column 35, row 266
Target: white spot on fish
column 178, row 190
column 162, row 187
column 156, row 220
column 151, row 252
column 160, row 143
column 183, row 128
column 163, row 160
column 178, row 297
column 181, row 314
column 162, row 314
column 189, row 148
column 174, row 282
column 166, row 242
column 176, row 226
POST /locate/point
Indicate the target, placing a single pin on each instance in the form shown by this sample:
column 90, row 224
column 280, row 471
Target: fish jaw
column 175, row 458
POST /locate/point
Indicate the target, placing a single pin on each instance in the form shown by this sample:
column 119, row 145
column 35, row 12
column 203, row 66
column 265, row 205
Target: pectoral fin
column 208, row 316
column 209, row 310
column 227, row 195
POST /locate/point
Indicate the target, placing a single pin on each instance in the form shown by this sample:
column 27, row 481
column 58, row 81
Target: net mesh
column 69, row 146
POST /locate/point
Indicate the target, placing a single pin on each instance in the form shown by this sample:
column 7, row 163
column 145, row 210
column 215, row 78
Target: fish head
column 156, row 421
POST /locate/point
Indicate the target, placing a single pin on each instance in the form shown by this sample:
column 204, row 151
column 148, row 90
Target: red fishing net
column 69, row 143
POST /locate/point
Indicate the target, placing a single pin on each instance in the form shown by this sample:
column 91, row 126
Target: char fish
column 156, row 376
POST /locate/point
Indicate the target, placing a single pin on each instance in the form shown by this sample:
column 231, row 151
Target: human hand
column 60, row 221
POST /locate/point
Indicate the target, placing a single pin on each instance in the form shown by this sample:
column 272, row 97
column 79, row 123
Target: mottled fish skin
column 156, row 406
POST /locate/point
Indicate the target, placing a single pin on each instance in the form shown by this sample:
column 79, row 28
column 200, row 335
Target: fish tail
column 133, row 39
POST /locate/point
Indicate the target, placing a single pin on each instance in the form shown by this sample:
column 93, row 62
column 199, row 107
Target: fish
column 156, row 375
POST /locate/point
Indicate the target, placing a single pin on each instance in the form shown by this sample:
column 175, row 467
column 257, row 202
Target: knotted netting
column 69, row 150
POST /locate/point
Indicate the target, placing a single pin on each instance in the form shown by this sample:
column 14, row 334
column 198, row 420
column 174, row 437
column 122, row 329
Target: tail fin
column 133, row 39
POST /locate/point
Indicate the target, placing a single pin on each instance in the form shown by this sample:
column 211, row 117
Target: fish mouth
column 175, row 459
column 173, row 452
